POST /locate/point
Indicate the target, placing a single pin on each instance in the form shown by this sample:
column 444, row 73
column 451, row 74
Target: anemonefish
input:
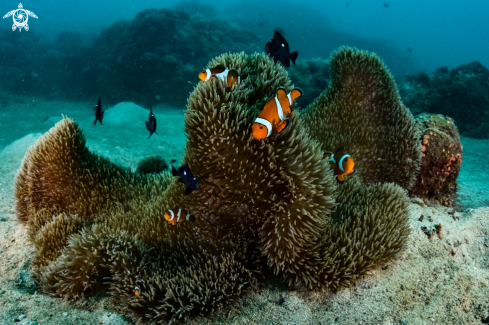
column 341, row 164
column 178, row 215
column 273, row 117
column 137, row 291
column 222, row 73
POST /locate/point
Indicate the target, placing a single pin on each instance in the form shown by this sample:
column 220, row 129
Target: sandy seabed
column 439, row 280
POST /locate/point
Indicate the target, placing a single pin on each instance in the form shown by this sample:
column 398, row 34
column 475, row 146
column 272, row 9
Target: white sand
column 437, row 281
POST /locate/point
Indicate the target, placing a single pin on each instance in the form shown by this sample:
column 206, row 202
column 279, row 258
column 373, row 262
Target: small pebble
column 418, row 201
column 421, row 218
column 65, row 314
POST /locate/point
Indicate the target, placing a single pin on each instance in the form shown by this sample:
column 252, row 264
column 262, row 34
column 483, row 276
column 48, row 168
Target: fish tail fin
column 296, row 92
column 174, row 171
column 293, row 56
column 157, row 133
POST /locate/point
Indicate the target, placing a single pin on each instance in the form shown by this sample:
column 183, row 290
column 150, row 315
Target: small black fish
column 347, row 4
column 386, row 5
column 186, row 177
column 409, row 50
column 278, row 49
column 99, row 114
column 261, row 23
column 151, row 123
column 355, row 26
column 261, row 14
column 172, row 161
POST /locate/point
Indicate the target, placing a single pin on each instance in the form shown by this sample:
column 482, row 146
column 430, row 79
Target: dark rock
column 461, row 93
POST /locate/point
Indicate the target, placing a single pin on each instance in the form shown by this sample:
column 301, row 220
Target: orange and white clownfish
column 341, row 164
column 178, row 215
column 273, row 117
column 230, row 75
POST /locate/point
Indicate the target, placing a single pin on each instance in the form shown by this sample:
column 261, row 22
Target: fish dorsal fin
column 339, row 153
column 281, row 40
column 233, row 77
column 218, row 69
column 297, row 92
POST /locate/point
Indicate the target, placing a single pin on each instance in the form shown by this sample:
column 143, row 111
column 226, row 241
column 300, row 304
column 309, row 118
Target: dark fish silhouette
column 386, row 5
column 151, row 123
column 409, row 50
column 261, row 14
column 278, row 49
column 186, row 177
column 347, row 4
column 355, row 26
column 99, row 114
column 261, row 23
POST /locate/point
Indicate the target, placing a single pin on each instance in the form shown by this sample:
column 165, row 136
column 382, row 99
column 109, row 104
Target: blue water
column 439, row 32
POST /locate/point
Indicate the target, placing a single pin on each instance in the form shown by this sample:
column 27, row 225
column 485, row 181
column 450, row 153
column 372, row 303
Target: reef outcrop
column 461, row 93
column 310, row 74
column 441, row 159
column 262, row 206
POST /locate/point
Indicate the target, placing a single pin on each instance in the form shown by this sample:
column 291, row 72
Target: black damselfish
column 99, row 114
column 151, row 123
column 186, row 177
column 278, row 49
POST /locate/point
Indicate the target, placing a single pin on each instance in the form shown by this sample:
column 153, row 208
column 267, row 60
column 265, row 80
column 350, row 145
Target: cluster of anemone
column 268, row 206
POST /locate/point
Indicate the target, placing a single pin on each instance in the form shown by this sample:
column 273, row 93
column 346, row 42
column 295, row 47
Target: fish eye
column 185, row 173
column 195, row 178
column 261, row 127
column 283, row 45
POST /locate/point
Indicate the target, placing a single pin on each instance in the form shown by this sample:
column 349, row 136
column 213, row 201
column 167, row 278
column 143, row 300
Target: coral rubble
column 269, row 205
column 461, row 93
column 441, row 159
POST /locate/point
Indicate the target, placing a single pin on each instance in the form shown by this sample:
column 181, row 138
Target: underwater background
column 134, row 55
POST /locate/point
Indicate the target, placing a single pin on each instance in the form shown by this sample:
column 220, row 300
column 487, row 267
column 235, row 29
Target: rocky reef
column 268, row 206
column 441, row 159
column 461, row 93
column 311, row 75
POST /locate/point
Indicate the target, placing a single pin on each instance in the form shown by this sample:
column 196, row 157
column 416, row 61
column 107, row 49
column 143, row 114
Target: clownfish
column 341, row 164
column 178, row 215
column 273, row 117
column 137, row 291
column 230, row 75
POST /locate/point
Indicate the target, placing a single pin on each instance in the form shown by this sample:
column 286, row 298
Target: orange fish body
column 273, row 117
column 178, row 215
column 341, row 164
column 230, row 75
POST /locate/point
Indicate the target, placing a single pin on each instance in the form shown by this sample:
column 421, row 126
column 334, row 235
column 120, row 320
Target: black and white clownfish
column 178, row 215
column 273, row 117
column 341, row 164
column 229, row 75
